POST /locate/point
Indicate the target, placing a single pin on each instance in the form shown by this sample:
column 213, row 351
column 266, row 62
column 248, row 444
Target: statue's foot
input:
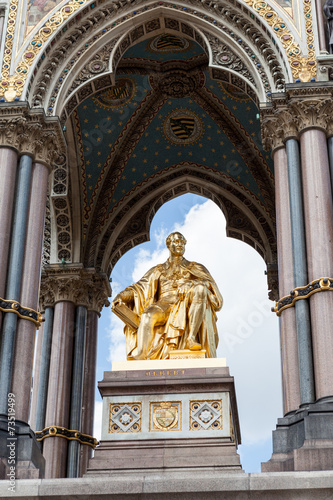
column 193, row 346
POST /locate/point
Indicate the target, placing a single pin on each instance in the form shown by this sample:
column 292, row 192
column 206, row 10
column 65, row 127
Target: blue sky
column 248, row 330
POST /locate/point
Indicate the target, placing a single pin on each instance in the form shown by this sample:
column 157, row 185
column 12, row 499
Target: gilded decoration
column 165, row 416
column 118, row 96
column 70, row 435
column 11, row 86
column 175, row 307
column 12, row 306
column 187, row 354
column 183, row 127
column 206, row 415
column 125, row 417
column 303, row 292
column 37, row 9
column 303, row 68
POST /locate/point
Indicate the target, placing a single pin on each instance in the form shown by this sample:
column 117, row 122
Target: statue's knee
column 145, row 318
column 148, row 318
column 200, row 292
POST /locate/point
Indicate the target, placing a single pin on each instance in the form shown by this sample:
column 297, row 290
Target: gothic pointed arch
column 150, row 102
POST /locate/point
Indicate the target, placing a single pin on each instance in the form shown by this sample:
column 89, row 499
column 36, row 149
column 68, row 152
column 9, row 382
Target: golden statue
column 173, row 306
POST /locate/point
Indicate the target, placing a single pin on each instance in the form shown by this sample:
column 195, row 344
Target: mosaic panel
column 206, row 415
column 125, row 417
column 165, row 416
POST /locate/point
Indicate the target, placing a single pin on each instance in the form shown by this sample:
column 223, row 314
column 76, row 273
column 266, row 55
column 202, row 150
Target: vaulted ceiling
column 164, row 128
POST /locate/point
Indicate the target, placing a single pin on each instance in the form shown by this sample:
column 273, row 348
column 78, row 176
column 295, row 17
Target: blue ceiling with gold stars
column 133, row 131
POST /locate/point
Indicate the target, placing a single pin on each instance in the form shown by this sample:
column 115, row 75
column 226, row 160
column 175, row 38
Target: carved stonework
column 277, row 126
column 224, row 56
column 62, row 212
column 47, row 234
column 73, row 283
column 295, row 111
column 96, row 65
column 76, row 37
column 31, row 132
column 273, row 281
column 178, row 84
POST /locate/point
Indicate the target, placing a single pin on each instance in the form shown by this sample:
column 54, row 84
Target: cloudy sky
column 248, row 330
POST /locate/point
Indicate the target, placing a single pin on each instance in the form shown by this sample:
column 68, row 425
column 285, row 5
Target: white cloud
column 248, row 331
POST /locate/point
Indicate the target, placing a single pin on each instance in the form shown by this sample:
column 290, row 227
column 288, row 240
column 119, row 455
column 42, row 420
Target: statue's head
column 176, row 243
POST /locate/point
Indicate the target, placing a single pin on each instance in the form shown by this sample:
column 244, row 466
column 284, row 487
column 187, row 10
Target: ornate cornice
column 31, row 132
column 76, row 284
column 299, row 109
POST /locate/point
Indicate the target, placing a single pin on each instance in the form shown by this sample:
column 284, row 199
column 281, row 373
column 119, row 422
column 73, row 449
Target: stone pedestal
column 21, row 457
column 178, row 414
column 303, row 441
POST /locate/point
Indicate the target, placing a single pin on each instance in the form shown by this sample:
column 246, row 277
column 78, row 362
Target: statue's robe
column 173, row 334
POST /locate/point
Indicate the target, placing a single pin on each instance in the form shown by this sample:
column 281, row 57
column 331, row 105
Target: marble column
column 289, row 350
column 89, row 387
column 8, row 167
column 42, row 377
column 59, row 388
column 25, row 333
column 14, row 276
column 330, row 155
column 303, row 326
column 77, row 386
column 36, row 373
column 2, row 20
column 318, row 211
column 321, row 27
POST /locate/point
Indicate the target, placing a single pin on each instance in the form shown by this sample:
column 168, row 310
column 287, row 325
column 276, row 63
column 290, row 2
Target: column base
column 303, row 441
column 20, row 454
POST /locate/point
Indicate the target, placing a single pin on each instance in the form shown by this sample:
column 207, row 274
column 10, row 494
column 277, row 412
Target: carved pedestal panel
column 176, row 414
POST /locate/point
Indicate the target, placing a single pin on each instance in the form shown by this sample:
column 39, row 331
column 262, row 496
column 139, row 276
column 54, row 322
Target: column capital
column 74, row 283
column 298, row 109
column 31, row 132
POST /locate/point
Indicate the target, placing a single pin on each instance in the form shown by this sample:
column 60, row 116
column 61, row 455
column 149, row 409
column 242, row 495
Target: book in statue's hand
column 129, row 317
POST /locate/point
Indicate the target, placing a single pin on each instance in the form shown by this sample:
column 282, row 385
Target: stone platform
column 175, row 414
column 175, row 485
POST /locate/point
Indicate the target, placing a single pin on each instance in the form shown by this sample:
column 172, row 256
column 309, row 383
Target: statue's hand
column 124, row 296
